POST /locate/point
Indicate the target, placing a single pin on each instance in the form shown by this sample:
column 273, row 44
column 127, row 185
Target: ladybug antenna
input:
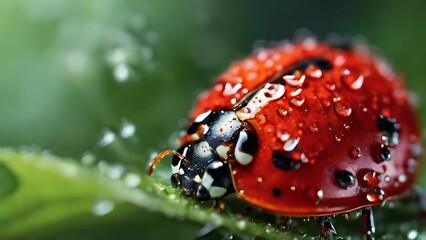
column 160, row 156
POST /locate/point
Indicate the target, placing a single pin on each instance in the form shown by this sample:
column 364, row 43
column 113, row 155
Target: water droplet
column 128, row 129
column 375, row 195
column 402, row 178
column 331, row 86
column 372, row 179
column 241, row 225
column 352, row 80
column 88, row 158
column 102, row 207
column 338, row 138
column 313, row 71
column 291, row 144
column 298, row 100
column 355, row 152
column 121, row 72
column 387, row 178
column 294, row 80
column 108, row 137
column 342, row 108
column 132, row 180
column 282, row 112
column 412, row 234
column 283, row 135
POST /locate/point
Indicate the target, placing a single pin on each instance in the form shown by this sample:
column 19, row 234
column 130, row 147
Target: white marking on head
column 223, row 151
column 216, row 192
column 242, row 157
column 207, row 180
column 175, row 169
column 197, row 179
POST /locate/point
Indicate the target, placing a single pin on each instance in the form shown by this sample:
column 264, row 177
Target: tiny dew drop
column 107, row 138
column 8, row 181
column 132, row 180
column 88, row 158
column 121, row 72
column 103, row 207
column 127, row 129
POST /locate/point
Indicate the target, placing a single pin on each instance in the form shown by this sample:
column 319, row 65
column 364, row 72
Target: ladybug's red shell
column 325, row 125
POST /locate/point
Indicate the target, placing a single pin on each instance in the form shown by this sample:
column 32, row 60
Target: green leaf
column 8, row 181
column 54, row 189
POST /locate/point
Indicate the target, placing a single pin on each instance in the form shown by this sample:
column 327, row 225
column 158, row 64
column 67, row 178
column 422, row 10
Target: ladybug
column 303, row 129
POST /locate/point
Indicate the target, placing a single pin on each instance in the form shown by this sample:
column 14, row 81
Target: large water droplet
column 102, row 207
column 294, row 80
column 342, row 108
column 313, row 71
column 352, row 80
column 372, row 179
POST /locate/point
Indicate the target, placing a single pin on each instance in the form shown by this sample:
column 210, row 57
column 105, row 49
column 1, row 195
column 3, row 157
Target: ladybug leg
column 326, row 226
column 367, row 228
column 219, row 204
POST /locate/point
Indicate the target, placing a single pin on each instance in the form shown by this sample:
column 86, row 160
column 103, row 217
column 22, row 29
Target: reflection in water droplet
column 132, row 180
column 128, row 129
column 352, row 80
column 355, row 152
column 342, row 108
column 121, row 72
column 372, row 179
column 102, row 207
column 107, row 138
column 375, row 195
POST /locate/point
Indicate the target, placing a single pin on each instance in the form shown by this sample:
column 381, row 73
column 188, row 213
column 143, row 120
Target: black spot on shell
column 345, row 179
column 389, row 129
column 284, row 161
column 385, row 154
column 276, row 192
column 318, row 62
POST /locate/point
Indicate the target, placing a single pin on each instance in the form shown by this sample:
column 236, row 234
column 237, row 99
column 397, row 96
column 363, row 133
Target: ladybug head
column 200, row 167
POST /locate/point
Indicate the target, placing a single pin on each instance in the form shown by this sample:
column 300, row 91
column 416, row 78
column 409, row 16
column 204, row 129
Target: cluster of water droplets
column 117, row 156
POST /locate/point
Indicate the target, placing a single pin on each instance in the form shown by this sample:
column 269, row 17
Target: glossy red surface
column 332, row 116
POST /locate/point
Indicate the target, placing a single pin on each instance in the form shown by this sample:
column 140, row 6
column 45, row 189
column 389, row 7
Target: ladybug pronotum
column 304, row 129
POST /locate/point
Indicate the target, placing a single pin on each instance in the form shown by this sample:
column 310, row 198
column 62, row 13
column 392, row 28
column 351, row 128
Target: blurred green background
column 73, row 72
